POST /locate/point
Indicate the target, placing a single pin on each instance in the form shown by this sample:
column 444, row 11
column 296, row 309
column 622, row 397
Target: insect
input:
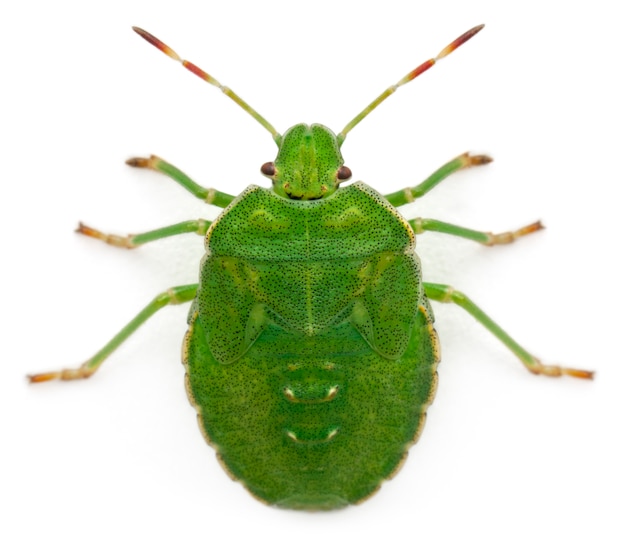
column 310, row 354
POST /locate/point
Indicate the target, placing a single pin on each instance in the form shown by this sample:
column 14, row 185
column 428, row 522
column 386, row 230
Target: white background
column 510, row 465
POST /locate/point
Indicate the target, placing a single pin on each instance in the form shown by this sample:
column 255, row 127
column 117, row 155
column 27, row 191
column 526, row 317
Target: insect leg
column 210, row 196
column 133, row 240
column 447, row 294
column 420, row 225
column 173, row 296
column 409, row 194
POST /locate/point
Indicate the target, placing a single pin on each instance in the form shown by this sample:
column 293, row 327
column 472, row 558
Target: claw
column 83, row 372
column 556, row 371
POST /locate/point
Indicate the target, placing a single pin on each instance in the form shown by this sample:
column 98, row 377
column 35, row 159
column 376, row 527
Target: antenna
column 410, row 76
column 208, row 78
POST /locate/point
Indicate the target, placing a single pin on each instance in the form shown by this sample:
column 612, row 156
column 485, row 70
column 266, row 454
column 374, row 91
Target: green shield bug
column 310, row 355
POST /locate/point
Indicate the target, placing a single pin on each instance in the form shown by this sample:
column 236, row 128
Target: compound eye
column 344, row 173
column 268, row 169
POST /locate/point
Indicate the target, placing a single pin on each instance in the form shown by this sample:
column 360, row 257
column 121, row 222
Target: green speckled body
column 310, row 355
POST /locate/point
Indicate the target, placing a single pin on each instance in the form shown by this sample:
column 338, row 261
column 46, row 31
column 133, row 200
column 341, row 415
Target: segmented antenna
column 410, row 76
column 208, row 78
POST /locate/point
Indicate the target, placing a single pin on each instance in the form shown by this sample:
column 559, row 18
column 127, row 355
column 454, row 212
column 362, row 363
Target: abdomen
column 312, row 422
